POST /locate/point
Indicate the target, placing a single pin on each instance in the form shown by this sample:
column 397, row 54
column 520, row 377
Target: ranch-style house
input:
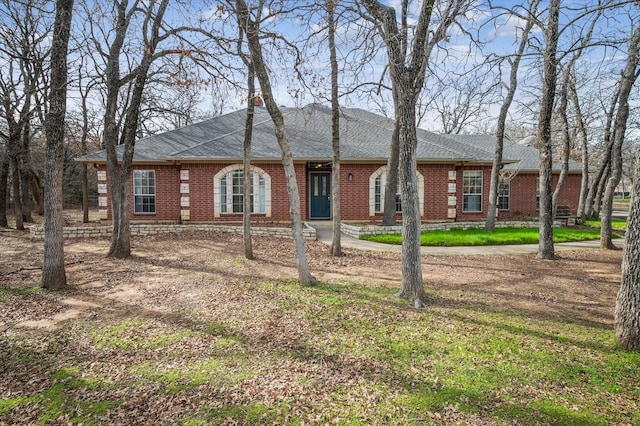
column 194, row 174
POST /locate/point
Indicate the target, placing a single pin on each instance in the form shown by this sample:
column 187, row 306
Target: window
column 504, row 194
column 144, row 191
column 232, row 193
column 229, row 191
column 379, row 197
column 377, row 183
column 472, row 191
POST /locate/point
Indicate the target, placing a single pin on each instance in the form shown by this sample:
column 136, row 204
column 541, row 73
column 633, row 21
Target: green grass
column 615, row 223
column 479, row 237
column 345, row 352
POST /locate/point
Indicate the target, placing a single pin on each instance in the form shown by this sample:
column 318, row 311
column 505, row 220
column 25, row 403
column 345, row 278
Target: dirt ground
column 165, row 271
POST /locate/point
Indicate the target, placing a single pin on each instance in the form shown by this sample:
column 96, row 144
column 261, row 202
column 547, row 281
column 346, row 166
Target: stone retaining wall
column 357, row 231
column 37, row 232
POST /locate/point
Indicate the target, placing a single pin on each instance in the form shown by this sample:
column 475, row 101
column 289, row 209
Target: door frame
column 310, row 194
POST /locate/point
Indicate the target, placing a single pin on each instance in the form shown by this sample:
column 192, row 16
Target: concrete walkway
column 324, row 234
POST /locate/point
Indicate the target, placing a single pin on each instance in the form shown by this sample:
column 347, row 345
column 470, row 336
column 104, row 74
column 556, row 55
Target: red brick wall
column 523, row 194
column 354, row 194
column 436, row 187
column 354, row 197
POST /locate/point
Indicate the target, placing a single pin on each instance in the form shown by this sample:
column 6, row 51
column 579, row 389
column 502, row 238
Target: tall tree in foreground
column 53, row 272
column 246, row 158
column 545, row 245
column 490, row 224
column 251, row 29
column 336, row 246
column 627, row 314
column 629, row 76
column 407, row 62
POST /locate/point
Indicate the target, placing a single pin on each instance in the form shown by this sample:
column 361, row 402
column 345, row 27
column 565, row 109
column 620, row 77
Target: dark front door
column 320, row 195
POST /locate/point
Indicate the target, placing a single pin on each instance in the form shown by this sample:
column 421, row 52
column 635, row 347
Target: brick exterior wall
column 195, row 202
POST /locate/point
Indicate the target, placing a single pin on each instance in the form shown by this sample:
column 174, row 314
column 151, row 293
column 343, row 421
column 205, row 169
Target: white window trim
column 508, row 182
column 480, row 194
column 257, row 173
column 155, row 192
column 382, row 172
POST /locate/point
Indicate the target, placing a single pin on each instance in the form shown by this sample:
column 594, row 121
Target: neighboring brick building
column 194, row 174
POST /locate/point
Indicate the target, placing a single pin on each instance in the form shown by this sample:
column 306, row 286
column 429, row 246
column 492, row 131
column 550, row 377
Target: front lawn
column 187, row 332
column 479, row 237
column 615, row 223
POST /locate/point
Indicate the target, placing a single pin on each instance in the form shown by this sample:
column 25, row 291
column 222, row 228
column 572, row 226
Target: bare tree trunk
column 336, row 247
column 566, row 145
column 25, row 169
column 253, row 41
column 85, row 192
column 582, row 131
column 412, row 284
column 407, row 73
column 490, row 224
column 53, row 272
column 391, row 186
column 17, row 204
column 4, row 182
column 246, row 163
column 37, row 190
column 121, row 194
column 627, row 80
column 545, row 246
column 627, row 313
column 593, row 203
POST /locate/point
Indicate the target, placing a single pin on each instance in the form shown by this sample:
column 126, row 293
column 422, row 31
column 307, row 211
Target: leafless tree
column 252, row 98
column 545, row 246
column 24, row 32
column 336, row 246
column 128, row 40
column 251, row 29
column 53, row 271
column 584, row 149
column 529, row 20
column 408, row 58
column 627, row 80
column 4, row 177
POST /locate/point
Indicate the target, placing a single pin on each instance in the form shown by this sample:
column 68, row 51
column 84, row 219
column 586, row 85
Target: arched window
column 377, row 183
column 228, row 189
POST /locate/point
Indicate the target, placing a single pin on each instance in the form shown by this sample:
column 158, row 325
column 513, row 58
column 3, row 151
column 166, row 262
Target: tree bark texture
column 25, row 170
column 257, row 58
column 545, row 246
column 566, row 144
column 4, row 182
column 627, row 313
column 490, row 223
column 336, row 246
column 17, row 200
column 627, row 80
column 246, row 162
column 120, row 186
column 582, row 132
column 53, row 271
column 391, row 185
column 594, row 197
column 407, row 71
column 412, row 283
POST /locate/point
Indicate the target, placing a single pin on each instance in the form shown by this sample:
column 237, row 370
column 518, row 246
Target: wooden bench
column 564, row 213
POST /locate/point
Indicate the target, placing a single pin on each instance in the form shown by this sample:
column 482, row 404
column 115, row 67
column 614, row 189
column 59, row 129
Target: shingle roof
column 527, row 156
column 364, row 136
